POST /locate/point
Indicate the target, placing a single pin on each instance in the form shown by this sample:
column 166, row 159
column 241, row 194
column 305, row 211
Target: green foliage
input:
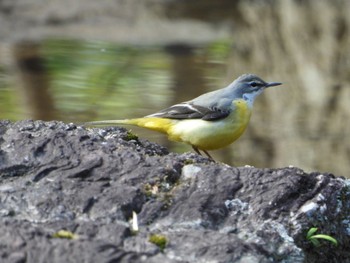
column 159, row 240
column 188, row 161
column 65, row 234
column 314, row 239
column 167, row 201
column 130, row 136
column 148, row 190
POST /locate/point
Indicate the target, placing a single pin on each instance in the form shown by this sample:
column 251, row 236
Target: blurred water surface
column 99, row 80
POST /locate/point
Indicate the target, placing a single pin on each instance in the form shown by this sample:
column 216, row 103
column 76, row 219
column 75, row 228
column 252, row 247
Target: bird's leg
column 196, row 150
column 208, row 155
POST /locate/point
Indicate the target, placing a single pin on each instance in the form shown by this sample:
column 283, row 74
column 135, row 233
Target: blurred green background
column 123, row 59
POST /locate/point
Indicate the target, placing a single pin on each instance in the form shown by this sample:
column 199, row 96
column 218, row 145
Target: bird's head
column 249, row 86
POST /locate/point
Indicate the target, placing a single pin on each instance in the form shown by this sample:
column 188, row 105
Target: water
column 79, row 81
column 98, row 80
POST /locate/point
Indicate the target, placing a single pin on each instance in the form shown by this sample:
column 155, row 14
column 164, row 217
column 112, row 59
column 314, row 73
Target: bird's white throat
column 251, row 96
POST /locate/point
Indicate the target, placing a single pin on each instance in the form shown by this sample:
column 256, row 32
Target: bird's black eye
column 254, row 84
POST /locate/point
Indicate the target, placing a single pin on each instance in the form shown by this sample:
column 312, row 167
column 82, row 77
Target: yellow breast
column 211, row 135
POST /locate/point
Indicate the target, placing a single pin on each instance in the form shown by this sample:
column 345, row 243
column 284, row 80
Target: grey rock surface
column 56, row 176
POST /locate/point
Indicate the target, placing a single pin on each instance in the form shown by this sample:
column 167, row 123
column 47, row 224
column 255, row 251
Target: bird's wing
column 192, row 111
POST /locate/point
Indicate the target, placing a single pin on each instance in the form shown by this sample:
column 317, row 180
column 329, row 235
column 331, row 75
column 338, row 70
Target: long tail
column 153, row 123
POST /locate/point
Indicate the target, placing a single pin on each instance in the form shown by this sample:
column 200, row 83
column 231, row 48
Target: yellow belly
column 205, row 135
column 211, row 135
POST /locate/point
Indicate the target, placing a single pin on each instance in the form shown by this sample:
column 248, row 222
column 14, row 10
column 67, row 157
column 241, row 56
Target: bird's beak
column 271, row 84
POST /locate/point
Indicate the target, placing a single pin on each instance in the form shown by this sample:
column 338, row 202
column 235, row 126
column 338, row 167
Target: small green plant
column 148, row 190
column 159, row 240
column 130, row 136
column 188, row 161
column 314, row 239
column 167, row 201
column 64, row 234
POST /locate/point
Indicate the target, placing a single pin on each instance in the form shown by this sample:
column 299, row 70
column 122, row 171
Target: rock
column 56, row 176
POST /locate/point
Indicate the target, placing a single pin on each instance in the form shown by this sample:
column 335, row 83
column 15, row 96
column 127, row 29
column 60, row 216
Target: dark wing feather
column 215, row 115
column 191, row 111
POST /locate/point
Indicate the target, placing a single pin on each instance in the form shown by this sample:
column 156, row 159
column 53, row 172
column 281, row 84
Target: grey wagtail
column 208, row 122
